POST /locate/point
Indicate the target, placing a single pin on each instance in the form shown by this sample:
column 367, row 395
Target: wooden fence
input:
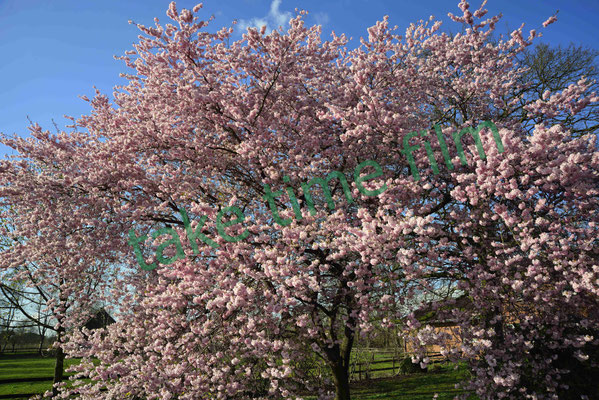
column 19, row 349
column 361, row 370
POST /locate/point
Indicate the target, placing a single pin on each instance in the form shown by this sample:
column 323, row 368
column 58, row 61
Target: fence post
column 359, row 371
column 370, row 372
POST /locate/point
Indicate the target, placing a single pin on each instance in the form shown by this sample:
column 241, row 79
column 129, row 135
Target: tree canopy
column 206, row 122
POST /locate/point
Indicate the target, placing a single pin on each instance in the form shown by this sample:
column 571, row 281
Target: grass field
column 422, row 386
column 26, row 365
column 409, row 387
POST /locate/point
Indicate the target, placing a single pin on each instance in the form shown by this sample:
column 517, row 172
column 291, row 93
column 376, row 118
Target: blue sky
column 54, row 51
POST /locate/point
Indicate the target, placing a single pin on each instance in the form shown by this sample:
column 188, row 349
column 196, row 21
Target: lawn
column 26, row 365
column 413, row 387
column 419, row 386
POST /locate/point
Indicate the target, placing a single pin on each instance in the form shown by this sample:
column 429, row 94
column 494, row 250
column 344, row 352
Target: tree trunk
column 41, row 330
column 59, row 365
column 5, row 346
column 341, row 379
column 41, row 346
column 58, row 369
column 42, row 339
column 339, row 354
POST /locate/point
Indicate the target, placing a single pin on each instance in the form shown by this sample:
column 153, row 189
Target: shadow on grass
column 418, row 386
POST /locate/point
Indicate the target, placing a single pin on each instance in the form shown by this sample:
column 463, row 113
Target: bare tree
column 554, row 69
column 41, row 328
column 7, row 319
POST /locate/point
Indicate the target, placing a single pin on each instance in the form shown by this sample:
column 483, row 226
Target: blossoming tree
column 48, row 257
column 210, row 142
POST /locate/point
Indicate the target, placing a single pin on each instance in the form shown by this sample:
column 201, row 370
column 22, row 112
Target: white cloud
column 280, row 18
column 321, row 18
column 272, row 20
column 254, row 22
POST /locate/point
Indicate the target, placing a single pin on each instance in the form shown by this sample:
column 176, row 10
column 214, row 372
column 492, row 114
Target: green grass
column 25, row 387
column 27, row 365
column 412, row 387
column 420, row 386
column 408, row 387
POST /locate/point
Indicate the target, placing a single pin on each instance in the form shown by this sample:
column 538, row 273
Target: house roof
column 100, row 320
column 432, row 313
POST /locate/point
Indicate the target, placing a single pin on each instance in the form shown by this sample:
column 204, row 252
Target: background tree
column 8, row 314
column 46, row 274
column 553, row 69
